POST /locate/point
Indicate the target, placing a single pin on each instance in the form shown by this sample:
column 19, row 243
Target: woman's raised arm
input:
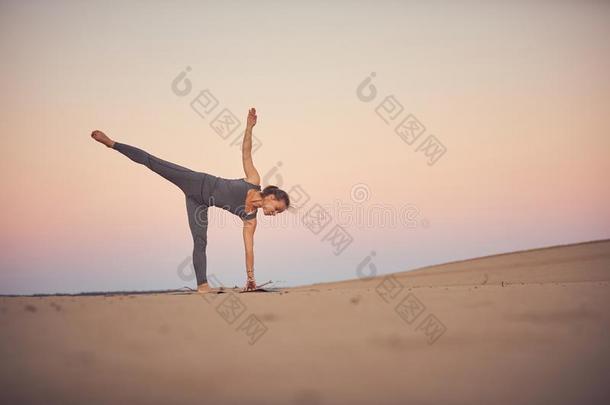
column 252, row 175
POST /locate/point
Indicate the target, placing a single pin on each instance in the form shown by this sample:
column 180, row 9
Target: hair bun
column 277, row 193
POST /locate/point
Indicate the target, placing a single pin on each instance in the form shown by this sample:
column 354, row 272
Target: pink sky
column 518, row 95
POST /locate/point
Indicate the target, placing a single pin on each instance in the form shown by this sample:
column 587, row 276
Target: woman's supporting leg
column 198, row 222
column 186, row 179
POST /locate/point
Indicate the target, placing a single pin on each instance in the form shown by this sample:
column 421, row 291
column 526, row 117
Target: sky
column 424, row 132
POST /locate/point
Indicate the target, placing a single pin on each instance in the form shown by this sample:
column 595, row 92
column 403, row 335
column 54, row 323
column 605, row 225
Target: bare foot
column 102, row 138
column 203, row 288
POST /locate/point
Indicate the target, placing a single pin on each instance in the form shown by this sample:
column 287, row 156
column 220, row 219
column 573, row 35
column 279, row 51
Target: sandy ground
column 523, row 328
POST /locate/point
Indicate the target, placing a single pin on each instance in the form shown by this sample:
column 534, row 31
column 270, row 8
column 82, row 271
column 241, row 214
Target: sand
column 529, row 327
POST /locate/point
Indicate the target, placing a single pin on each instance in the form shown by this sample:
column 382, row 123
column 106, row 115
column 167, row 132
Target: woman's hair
column 278, row 193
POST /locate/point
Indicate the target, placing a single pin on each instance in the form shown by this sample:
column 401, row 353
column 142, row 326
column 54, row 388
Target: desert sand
column 529, row 327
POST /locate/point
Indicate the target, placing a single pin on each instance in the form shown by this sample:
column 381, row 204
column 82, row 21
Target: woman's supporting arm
column 252, row 175
column 249, row 228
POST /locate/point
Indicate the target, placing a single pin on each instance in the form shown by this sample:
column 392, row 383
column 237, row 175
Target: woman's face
column 271, row 206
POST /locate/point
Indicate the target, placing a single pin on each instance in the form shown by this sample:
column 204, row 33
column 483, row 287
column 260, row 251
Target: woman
column 241, row 197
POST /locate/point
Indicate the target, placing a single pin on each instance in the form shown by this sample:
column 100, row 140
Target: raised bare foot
column 102, row 138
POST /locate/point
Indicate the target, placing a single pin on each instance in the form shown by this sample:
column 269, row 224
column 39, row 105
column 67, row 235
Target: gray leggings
column 195, row 185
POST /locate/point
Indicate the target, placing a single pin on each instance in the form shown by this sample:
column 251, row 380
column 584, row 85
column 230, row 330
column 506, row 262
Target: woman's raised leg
column 186, row 179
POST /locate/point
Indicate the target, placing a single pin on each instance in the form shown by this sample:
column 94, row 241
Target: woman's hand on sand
column 250, row 285
column 251, row 118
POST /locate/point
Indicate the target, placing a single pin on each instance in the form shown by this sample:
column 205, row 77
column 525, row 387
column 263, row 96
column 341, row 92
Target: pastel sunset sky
column 517, row 95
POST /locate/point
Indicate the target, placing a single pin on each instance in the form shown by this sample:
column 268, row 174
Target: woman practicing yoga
column 241, row 197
